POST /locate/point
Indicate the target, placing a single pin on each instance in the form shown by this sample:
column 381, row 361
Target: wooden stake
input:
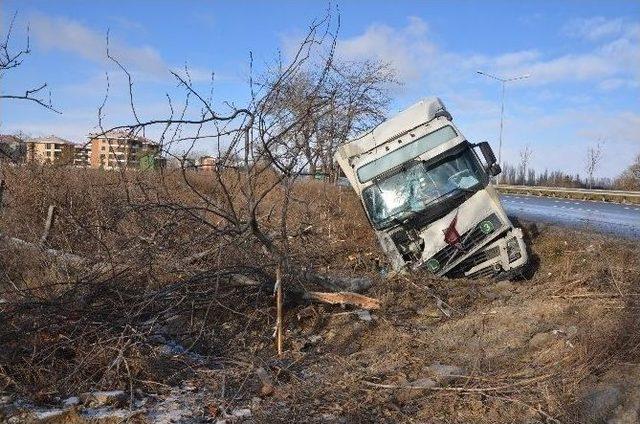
column 2, row 186
column 279, row 335
column 47, row 226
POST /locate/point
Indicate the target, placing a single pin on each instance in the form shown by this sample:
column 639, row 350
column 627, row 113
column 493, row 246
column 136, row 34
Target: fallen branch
column 243, row 280
column 344, row 298
column 69, row 258
column 337, row 283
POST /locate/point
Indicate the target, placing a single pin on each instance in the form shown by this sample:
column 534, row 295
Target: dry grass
column 529, row 350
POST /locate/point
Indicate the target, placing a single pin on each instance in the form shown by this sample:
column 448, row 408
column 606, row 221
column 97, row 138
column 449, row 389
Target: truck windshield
column 418, row 185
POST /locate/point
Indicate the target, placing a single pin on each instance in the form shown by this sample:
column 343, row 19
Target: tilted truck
column 429, row 198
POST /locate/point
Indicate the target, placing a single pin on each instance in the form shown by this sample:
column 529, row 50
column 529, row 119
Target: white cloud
column 509, row 60
column 59, row 33
column 618, row 83
column 416, row 56
column 598, row 28
column 408, row 49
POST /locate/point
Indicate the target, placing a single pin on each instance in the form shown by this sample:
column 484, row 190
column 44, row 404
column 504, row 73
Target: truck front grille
column 469, row 241
column 473, row 260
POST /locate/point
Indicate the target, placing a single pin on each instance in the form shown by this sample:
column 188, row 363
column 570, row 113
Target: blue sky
column 583, row 57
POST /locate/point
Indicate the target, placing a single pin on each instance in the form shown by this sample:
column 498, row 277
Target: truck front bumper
column 504, row 256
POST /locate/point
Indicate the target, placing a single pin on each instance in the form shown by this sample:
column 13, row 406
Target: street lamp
column 504, row 82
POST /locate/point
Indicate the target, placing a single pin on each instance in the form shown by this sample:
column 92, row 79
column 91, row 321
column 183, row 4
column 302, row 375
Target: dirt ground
column 524, row 351
column 561, row 346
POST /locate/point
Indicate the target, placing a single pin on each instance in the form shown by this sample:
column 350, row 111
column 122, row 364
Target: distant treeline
column 518, row 175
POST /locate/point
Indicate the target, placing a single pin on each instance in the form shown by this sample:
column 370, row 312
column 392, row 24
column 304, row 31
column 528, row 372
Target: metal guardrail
column 574, row 193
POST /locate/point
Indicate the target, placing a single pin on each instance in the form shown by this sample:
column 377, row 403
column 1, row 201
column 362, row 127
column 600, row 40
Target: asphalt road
column 609, row 218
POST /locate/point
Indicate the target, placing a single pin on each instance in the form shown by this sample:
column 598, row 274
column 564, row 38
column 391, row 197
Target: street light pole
column 504, row 82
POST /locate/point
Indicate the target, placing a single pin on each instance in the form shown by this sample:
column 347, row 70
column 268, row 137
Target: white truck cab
column 429, row 198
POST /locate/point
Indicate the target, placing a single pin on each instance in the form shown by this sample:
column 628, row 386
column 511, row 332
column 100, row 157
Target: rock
column 72, row 401
column 314, row 339
column 504, row 286
column 491, row 295
column 540, row 340
column 597, row 405
column 189, row 386
column 266, row 382
column 109, row 415
column 501, row 290
column 241, row 413
column 629, row 416
column 48, row 415
column 571, row 331
column 255, row 402
column 445, row 373
column 307, row 312
column 363, row 314
column 104, row 398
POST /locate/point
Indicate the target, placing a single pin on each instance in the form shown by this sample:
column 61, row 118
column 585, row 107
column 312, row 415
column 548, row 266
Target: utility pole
column 504, row 82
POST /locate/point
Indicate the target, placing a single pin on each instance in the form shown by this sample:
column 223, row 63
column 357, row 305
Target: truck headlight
column 513, row 249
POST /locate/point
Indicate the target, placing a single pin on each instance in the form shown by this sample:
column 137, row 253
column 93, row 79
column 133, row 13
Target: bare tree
column 593, row 159
column 525, row 158
column 353, row 97
column 11, row 59
column 629, row 179
column 531, row 176
column 238, row 207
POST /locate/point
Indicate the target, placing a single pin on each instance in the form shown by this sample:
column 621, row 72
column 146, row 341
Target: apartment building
column 82, row 155
column 49, row 149
column 118, row 149
column 207, row 163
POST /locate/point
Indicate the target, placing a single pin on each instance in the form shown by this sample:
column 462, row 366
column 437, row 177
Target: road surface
column 609, row 218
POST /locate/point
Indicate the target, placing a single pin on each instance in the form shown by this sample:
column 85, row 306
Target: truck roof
column 423, row 111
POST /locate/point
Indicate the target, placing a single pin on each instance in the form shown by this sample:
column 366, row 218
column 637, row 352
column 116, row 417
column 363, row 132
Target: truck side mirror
column 495, row 169
column 492, row 166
